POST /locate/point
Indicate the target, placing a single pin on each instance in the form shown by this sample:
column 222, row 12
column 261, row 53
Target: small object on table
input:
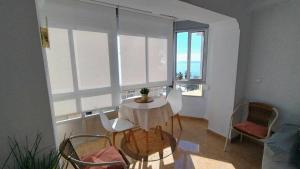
column 144, row 92
column 141, row 100
column 88, row 113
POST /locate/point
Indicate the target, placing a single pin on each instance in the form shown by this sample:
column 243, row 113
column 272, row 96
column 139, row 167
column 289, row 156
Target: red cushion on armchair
column 252, row 129
column 108, row 154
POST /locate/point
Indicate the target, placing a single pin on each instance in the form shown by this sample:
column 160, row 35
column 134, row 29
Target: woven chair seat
column 107, row 154
column 252, row 129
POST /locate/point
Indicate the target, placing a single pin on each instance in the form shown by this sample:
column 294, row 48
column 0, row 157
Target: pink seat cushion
column 252, row 129
column 108, row 154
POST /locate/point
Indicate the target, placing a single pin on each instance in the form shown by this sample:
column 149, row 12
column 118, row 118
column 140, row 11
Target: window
column 190, row 62
column 96, row 102
column 196, row 53
column 97, row 57
column 65, row 107
column 154, row 91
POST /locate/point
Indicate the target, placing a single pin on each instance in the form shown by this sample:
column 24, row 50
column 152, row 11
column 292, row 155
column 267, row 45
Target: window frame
column 77, row 93
column 204, row 58
column 115, row 89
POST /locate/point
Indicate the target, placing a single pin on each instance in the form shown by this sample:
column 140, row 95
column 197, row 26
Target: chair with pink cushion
column 260, row 118
column 108, row 157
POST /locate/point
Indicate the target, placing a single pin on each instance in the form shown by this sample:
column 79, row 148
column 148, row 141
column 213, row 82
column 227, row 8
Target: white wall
column 24, row 102
column 194, row 106
column 274, row 63
column 221, row 74
column 217, row 103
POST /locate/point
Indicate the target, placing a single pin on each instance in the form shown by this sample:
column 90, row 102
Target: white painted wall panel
column 221, row 74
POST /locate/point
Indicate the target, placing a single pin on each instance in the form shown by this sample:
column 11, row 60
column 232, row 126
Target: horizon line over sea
column 195, row 68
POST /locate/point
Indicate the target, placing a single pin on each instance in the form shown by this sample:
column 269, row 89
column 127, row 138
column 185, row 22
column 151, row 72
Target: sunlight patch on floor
column 154, row 164
column 189, row 146
column 208, row 163
column 169, row 159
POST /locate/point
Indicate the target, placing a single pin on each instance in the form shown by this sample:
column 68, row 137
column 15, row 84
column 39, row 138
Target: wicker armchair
column 68, row 151
column 260, row 119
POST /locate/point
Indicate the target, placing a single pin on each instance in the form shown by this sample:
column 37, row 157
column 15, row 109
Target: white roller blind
column 142, row 24
column 94, row 102
column 92, row 59
column 145, row 49
column 132, row 52
column 59, row 61
column 80, row 15
column 157, row 59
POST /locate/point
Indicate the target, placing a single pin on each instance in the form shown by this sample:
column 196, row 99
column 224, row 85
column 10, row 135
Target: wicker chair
column 260, row 119
column 68, row 151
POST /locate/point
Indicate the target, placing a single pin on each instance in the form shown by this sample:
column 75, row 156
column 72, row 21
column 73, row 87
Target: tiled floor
column 200, row 149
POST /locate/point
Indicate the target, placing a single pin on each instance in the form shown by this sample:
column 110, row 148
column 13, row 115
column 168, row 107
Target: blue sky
column 182, row 46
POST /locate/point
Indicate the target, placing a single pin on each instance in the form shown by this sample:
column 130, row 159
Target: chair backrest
column 105, row 122
column 261, row 113
column 67, row 150
column 175, row 100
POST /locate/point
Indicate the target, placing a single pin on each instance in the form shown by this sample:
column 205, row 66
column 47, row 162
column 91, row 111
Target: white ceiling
column 176, row 8
column 244, row 5
column 259, row 4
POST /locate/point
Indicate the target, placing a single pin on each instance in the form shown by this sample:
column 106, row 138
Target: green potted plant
column 179, row 76
column 25, row 156
column 144, row 92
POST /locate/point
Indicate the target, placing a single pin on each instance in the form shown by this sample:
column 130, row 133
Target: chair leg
column 125, row 137
column 147, row 141
column 172, row 125
column 155, row 130
column 178, row 118
column 108, row 135
column 114, row 138
column 128, row 135
column 161, row 134
column 241, row 137
column 134, row 140
column 227, row 138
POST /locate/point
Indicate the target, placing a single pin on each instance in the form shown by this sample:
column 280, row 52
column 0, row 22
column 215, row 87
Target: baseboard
column 192, row 117
column 216, row 133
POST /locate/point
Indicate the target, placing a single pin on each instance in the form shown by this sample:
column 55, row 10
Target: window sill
column 84, row 117
column 194, row 93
